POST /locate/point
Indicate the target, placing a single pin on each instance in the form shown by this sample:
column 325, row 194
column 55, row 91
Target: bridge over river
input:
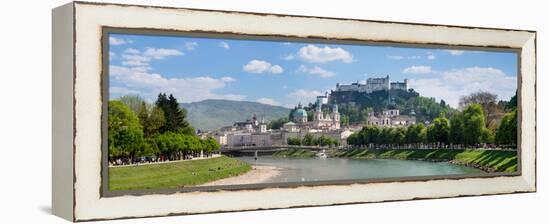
column 270, row 148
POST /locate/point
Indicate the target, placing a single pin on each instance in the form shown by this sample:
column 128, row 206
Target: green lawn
column 175, row 174
column 489, row 160
column 297, row 153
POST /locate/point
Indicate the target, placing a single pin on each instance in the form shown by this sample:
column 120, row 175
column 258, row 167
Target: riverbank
column 486, row 160
column 258, row 174
column 175, row 174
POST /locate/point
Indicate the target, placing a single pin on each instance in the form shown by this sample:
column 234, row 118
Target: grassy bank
column 176, row 174
column 491, row 161
column 296, row 153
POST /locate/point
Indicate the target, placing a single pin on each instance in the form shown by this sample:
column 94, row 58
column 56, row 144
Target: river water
column 318, row 169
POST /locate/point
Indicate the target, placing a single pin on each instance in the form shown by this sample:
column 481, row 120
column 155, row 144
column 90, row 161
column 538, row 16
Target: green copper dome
column 300, row 113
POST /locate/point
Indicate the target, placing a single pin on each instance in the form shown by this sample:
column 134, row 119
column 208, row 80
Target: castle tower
column 335, row 117
column 318, row 115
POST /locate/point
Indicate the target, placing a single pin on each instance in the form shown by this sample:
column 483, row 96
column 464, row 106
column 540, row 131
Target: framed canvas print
column 171, row 111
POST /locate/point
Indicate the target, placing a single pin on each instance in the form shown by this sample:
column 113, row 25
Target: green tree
column 174, row 115
column 151, row 118
column 487, row 136
column 513, row 103
column 212, row 144
column 386, row 136
column 506, row 132
column 125, row 134
column 354, row 139
column 293, row 141
column 474, row 123
column 399, row 136
column 344, row 120
column 277, row 124
column 416, row 134
column 308, row 139
column 439, row 131
column 456, row 133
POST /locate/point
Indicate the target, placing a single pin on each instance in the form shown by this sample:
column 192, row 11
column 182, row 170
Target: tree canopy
column 137, row 128
column 174, row 114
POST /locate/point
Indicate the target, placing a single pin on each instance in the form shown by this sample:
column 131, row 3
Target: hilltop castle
column 374, row 84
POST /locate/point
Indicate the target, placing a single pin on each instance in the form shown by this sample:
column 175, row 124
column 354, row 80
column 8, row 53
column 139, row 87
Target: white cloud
column 131, row 51
column 453, row 84
column 314, row 54
column 118, row 41
column 276, row 69
column 112, row 55
column 259, row 67
column 286, row 43
column 134, row 57
column 227, row 79
column 289, row 57
column 418, row 69
column 135, row 60
column 431, row 57
column 224, row 44
column 190, row 45
column 394, row 57
column 316, row 71
column 161, row 53
column 268, row 101
column 304, row 96
column 192, row 89
column 455, row 52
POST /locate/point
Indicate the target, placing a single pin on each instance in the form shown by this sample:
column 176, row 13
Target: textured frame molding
column 77, row 69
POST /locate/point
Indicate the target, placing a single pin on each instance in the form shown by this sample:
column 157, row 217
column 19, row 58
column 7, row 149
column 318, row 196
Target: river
column 318, row 169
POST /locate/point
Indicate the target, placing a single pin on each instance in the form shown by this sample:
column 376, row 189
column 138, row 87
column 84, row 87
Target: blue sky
column 285, row 73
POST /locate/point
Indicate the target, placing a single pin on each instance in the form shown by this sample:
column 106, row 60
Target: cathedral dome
column 300, row 113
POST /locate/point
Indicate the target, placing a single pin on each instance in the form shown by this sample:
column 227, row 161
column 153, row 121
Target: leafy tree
column 210, row 145
column 439, row 130
column 386, row 136
column 308, row 139
column 149, row 148
column 354, row 139
column 506, row 132
column 415, row 134
column 277, row 124
column 513, row 103
column 442, row 103
column 294, row 141
column 456, row 133
column 487, row 136
column 344, row 120
column 399, row 135
column 474, row 123
column 151, row 118
column 491, row 110
column 125, row 132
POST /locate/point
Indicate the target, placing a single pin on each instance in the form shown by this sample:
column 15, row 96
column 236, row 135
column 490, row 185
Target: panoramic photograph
column 188, row 111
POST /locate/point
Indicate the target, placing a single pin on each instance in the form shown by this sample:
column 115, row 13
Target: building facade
column 374, row 84
column 391, row 118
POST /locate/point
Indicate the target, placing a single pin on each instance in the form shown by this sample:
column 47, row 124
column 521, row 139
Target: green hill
column 213, row 114
column 355, row 106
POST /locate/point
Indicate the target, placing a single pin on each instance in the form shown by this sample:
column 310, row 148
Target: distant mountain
column 213, row 114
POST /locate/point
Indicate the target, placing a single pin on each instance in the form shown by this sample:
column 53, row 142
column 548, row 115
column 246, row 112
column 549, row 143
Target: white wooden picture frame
column 78, row 107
